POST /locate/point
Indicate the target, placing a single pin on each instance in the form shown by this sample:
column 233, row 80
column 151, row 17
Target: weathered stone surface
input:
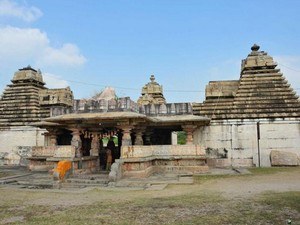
column 218, row 163
column 12, row 158
column 261, row 92
column 107, row 94
column 281, row 158
column 2, row 157
column 64, row 152
column 137, row 151
column 116, row 171
column 26, row 100
column 58, row 96
column 152, row 93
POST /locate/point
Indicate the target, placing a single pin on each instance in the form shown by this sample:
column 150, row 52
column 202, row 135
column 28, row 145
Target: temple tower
column 19, row 104
column 25, row 101
column 261, row 92
column 152, row 93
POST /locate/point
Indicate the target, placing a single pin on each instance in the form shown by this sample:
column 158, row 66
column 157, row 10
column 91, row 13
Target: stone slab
column 281, row 158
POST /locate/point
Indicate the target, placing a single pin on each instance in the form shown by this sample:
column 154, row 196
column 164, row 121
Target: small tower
column 152, row 93
column 257, row 60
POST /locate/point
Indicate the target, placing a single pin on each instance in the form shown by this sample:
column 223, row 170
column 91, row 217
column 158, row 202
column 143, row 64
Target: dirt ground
column 215, row 199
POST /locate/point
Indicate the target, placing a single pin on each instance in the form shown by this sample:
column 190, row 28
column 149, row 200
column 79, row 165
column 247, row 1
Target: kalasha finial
column 255, row 47
column 152, row 78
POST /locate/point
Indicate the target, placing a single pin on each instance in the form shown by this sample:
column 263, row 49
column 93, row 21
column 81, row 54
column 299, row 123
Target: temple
column 152, row 93
column 27, row 100
column 252, row 121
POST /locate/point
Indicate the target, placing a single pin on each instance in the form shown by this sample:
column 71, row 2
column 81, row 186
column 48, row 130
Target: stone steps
column 264, row 90
column 263, row 79
column 25, row 120
column 103, row 181
column 252, row 116
column 267, row 94
column 263, row 82
column 22, row 108
column 21, row 89
column 255, row 71
column 259, row 113
column 27, row 114
column 20, row 99
column 261, row 107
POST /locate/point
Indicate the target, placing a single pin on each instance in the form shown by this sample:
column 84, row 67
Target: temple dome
column 258, row 59
column 152, row 93
column 28, row 74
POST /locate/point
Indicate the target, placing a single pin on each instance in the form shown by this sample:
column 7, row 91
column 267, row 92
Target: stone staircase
column 87, row 180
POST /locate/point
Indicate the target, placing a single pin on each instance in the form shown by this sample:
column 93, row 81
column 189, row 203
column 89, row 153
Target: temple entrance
column 86, row 145
column 109, row 144
column 161, row 135
column 64, row 137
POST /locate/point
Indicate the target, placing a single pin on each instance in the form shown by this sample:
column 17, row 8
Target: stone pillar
column 46, row 139
column 126, row 139
column 95, row 145
column 148, row 134
column 174, row 138
column 76, row 142
column 189, row 129
column 52, row 134
column 139, row 136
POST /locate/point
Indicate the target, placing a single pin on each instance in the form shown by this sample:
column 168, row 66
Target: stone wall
column 142, row 161
column 16, row 142
column 125, row 104
column 240, row 139
column 139, row 151
column 221, row 89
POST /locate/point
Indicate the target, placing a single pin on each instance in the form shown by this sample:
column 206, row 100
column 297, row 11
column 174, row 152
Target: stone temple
column 251, row 121
column 23, row 102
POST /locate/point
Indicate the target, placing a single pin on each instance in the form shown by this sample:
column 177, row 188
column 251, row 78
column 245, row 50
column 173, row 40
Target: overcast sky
column 90, row 44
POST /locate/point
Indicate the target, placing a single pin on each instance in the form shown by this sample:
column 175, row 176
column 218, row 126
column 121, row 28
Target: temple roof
column 152, row 93
column 261, row 92
column 28, row 74
column 96, row 116
column 113, row 118
column 179, row 119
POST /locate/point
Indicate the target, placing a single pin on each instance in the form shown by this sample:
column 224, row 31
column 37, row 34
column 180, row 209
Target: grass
column 199, row 178
column 174, row 205
column 4, row 174
column 201, row 208
column 272, row 170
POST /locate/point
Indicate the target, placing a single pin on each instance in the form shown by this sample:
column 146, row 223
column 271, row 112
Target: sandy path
column 232, row 187
column 252, row 185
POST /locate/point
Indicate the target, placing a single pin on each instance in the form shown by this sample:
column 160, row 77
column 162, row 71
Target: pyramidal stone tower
column 261, row 92
column 254, row 120
column 19, row 104
column 27, row 100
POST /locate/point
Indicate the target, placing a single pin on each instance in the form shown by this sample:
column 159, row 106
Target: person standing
column 108, row 159
column 111, row 145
